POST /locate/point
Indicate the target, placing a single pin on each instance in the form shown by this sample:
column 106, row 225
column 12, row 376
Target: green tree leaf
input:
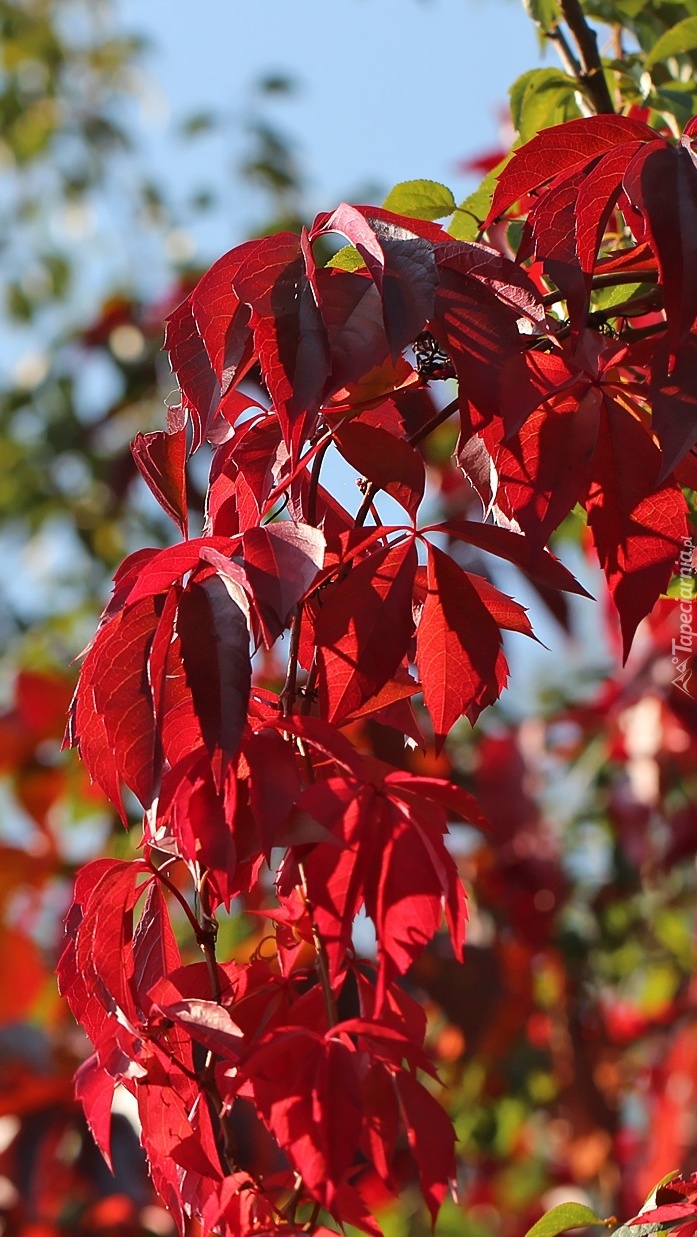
column 471, row 213
column 540, row 98
column 545, row 13
column 607, row 298
column 563, row 1217
column 420, row 199
column 346, row 259
column 681, row 38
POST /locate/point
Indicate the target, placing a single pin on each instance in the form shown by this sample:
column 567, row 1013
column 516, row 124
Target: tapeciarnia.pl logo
column 683, row 646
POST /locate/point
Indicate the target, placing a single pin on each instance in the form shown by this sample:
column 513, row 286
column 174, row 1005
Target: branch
column 592, row 76
column 569, row 61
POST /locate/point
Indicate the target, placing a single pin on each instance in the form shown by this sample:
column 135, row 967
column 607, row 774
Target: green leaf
column 420, row 199
column 540, row 98
column 563, row 1217
column 681, row 38
column 630, row 8
column 471, row 213
column 607, row 298
column 346, row 259
column 545, row 13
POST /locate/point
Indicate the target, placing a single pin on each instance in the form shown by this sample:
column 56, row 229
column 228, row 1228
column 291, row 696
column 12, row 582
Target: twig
column 569, row 61
column 592, row 76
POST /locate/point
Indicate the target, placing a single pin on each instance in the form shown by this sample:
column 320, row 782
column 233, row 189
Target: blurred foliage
column 81, row 368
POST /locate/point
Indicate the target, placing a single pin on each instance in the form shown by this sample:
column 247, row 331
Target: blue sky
column 389, row 90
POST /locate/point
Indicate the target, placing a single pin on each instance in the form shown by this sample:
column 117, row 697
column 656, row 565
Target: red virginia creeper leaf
column 161, row 462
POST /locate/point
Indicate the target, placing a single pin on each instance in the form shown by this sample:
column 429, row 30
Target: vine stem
column 207, row 937
column 366, row 504
column 176, row 893
column 314, row 482
column 608, row 281
column 290, row 687
column 321, row 950
column 443, row 415
column 208, row 928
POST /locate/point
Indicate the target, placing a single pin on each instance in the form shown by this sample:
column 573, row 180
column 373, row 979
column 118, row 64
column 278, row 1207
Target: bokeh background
column 138, row 141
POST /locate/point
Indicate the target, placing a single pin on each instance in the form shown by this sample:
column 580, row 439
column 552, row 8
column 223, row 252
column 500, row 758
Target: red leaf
column 97, row 967
column 282, row 562
column 638, row 529
column 87, row 732
column 94, row 1088
column 174, row 1131
column 398, row 253
column 155, row 950
column 480, row 333
column 162, row 568
column 214, row 636
column 351, row 307
column 539, row 565
column 307, row 1091
column 392, row 859
column 274, row 783
column 289, row 335
column 559, row 149
column 191, row 364
column 431, row 1138
column 209, row 1024
column 458, row 647
column 506, row 612
column 669, row 1211
column 208, row 340
column 178, row 726
column 161, row 461
column 449, row 796
column 220, row 318
column 113, row 724
column 674, row 404
column 324, row 738
column 544, row 470
column 364, row 628
column 387, row 461
column 661, row 181
column 569, row 220
column 511, row 285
